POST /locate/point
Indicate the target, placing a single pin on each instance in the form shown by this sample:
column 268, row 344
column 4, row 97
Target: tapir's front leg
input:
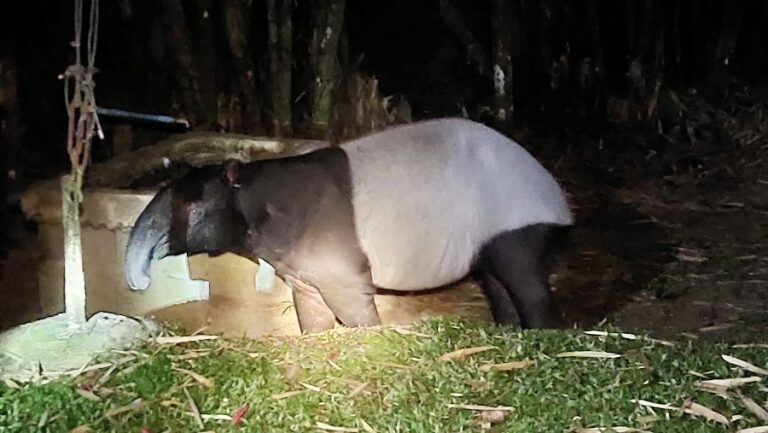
column 349, row 295
column 353, row 304
column 312, row 311
column 317, row 309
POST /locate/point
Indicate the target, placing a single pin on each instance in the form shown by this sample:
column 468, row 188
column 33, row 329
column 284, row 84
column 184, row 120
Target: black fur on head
column 204, row 214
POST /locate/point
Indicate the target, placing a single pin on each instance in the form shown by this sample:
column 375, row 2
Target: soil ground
column 684, row 261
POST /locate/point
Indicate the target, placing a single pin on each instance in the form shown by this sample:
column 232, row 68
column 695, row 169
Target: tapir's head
column 195, row 213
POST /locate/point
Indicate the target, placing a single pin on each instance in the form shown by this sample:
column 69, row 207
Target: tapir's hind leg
column 502, row 307
column 517, row 260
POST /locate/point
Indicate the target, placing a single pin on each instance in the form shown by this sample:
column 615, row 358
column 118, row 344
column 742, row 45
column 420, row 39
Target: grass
column 386, row 380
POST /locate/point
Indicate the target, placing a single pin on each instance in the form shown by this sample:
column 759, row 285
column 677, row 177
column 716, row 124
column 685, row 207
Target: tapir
column 408, row 208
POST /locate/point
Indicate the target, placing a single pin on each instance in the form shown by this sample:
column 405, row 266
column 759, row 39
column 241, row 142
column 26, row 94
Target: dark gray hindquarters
column 512, row 271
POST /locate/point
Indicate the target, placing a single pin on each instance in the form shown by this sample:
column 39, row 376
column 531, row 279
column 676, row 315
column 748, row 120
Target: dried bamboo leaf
column 696, row 409
column 588, row 354
column 492, row 416
column 190, row 355
column 745, row 365
column 617, row 429
column 211, row 417
column 195, row 410
column 10, row 383
column 367, row 427
column 393, row 365
column 405, row 331
column 88, row 395
column 458, row 355
column 722, row 385
column 135, row 405
column 287, row 394
column 310, row 387
column 180, row 339
column 617, row 334
column 480, row 407
column 357, row 390
column 508, row 366
column 328, row 427
column 199, row 378
column 655, row 405
column 760, row 429
column 755, row 408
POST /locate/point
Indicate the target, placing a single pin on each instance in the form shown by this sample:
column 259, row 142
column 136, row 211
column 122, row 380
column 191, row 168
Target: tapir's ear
column 232, row 172
column 176, row 169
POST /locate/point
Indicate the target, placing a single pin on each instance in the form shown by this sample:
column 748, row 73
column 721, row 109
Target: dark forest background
column 336, row 68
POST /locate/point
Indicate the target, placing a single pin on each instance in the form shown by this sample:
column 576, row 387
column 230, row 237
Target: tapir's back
column 465, row 180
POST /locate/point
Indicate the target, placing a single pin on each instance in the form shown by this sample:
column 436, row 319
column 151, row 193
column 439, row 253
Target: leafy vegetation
column 439, row 375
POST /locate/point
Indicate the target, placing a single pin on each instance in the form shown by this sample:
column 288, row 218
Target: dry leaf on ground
column 480, row 407
column 88, row 395
column 135, row 405
column 693, row 408
column 755, row 408
column 618, row 429
column 492, row 416
column 199, row 378
column 588, row 354
column 174, row 339
column 367, row 427
column 328, row 427
column 508, row 366
column 239, row 414
column 287, row 394
column 458, row 355
column 721, row 386
column 745, row 365
column 760, row 429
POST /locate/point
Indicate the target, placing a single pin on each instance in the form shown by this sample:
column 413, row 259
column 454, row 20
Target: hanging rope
column 80, row 98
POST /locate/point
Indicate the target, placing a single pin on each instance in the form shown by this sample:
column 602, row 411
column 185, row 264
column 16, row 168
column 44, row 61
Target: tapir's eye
column 195, row 214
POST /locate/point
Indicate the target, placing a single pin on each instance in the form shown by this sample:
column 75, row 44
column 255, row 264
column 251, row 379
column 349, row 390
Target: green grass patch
column 391, row 381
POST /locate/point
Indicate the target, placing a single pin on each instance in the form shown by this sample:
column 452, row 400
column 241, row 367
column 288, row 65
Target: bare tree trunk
column 188, row 75
column 678, row 45
column 545, row 36
column 656, row 72
column 10, row 123
column 237, row 38
column 10, row 114
column 206, row 53
column 280, row 23
column 637, row 70
column 717, row 81
column 475, row 52
column 503, row 77
column 630, row 11
column 597, row 56
column 327, row 21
